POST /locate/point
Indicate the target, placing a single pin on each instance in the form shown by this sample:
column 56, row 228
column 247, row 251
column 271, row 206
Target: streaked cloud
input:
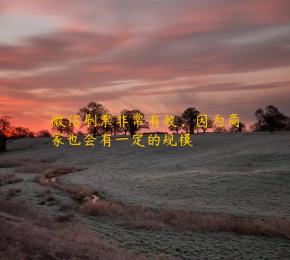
column 215, row 55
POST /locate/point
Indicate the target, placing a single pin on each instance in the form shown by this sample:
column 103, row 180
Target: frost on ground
column 244, row 175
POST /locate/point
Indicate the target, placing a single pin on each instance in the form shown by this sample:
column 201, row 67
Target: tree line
column 268, row 119
column 187, row 122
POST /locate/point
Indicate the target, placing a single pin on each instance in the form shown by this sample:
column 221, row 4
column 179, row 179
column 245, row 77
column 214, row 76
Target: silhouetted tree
column 220, row 130
column 270, row 119
column 189, row 116
column 95, row 111
column 241, row 128
column 115, row 126
column 21, row 132
column 209, row 125
column 287, row 127
column 64, row 127
column 178, row 122
column 4, row 130
column 131, row 126
column 43, row 133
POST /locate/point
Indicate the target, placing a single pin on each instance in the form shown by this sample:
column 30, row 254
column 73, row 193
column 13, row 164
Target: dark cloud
column 54, row 48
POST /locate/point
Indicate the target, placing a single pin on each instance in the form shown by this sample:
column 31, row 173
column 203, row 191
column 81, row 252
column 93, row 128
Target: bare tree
column 94, row 111
column 43, row 133
column 131, row 125
column 190, row 116
column 287, row 127
column 220, row 130
column 178, row 123
column 209, row 125
column 21, row 132
column 4, row 129
column 115, row 126
column 63, row 127
column 240, row 128
column 270, row 119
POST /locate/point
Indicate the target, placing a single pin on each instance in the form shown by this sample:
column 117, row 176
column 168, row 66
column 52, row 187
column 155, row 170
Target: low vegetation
column 27, row 234
column 9, row 179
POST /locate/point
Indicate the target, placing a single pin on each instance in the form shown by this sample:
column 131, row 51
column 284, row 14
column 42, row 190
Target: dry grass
column 9, row 163
column 9, row 179
column 31, row 167
column 11, row 193
column 26, row 234
column 77, row 192
column 56, row 171
column 46, row 169
column 145, row 218
column 66, row 217
column 66, row 206
column 19, row 208
column 140, row 217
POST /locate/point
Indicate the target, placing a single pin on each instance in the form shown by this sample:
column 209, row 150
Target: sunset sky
column 160, row 56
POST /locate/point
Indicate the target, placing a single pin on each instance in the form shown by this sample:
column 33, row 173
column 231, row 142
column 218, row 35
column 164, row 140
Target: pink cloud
column 153, row 44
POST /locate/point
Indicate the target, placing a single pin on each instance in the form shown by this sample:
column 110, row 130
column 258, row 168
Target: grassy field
column 227, row 197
